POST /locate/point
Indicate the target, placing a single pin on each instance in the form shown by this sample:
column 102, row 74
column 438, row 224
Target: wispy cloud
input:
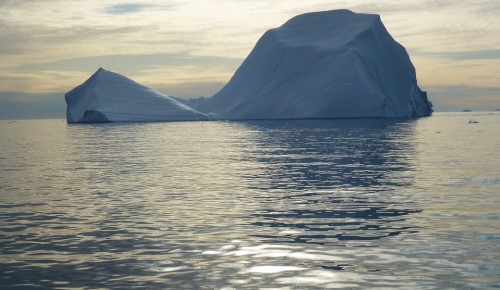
column 134, row 62
column 163, row 71
column 462, row 55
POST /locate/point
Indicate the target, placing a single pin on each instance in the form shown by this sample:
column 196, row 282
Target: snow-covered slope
column 332, row 64
column 110, row 97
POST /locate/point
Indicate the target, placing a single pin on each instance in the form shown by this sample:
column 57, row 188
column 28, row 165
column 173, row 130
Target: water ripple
column 260, row 204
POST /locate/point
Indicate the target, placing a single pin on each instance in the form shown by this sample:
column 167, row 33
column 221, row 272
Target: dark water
column 404, row 203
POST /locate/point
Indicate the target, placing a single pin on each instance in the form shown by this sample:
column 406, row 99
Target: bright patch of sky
column 191, row 48
column 124, row 8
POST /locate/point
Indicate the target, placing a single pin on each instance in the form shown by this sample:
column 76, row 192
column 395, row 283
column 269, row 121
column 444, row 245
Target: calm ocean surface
column 309, row 204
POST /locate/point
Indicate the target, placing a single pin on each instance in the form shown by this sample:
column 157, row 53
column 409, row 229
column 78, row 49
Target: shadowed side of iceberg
column 331, row 64
column 110, row 97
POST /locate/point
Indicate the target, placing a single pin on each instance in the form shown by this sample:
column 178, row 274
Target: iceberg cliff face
column 109, row 97
column 332, row 64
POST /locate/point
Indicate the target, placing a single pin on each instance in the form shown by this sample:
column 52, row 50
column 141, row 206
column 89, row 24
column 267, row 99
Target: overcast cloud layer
column 191, row 48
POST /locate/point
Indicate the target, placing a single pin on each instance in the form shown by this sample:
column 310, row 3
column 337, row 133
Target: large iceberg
column 332, row 64
column 110, row 97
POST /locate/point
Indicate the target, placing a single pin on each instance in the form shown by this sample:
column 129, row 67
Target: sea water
column 306, row 204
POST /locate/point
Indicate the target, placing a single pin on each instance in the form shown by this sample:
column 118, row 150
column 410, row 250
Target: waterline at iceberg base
column 331, row 64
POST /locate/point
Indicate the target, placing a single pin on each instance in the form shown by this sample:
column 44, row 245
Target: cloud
column 47, row 81
column 161, row 70
column 134, row 62
column 462, row 55
column 26, row 44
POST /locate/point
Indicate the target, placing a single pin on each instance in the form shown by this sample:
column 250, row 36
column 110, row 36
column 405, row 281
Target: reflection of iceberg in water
column 333, row 180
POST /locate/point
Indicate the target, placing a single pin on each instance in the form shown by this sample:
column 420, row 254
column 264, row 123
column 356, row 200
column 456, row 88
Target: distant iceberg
column 332, row 64
column 110, row 97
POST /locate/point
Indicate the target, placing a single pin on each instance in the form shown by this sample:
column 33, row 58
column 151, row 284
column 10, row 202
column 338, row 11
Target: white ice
column 332, row 64
column 110, row 97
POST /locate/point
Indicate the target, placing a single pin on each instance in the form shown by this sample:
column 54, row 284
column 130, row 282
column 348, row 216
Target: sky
column 190, row 48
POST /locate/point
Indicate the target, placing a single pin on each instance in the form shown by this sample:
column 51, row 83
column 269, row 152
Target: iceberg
column 331, row 64
column 110, row 97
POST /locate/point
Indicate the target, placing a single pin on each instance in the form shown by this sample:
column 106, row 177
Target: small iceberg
column 110, row 97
